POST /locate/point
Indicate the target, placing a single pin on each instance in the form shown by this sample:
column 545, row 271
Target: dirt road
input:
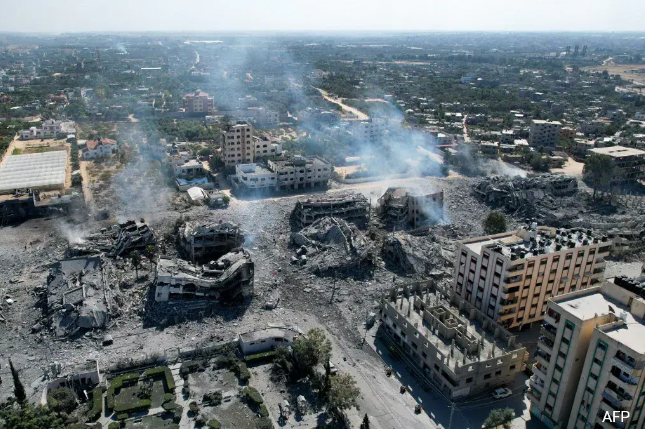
column 359, row 115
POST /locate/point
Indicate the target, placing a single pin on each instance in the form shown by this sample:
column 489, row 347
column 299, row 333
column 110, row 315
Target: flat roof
column 33, row 170
column 618, row 151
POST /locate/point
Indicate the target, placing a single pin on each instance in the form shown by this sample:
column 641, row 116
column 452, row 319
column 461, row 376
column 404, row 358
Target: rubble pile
column 524, row 193
column 418, row 255
column 204, row 241
column 77, row 297
column 331, row 243
column 230, row 277
column 353, row 207
column 118, row 240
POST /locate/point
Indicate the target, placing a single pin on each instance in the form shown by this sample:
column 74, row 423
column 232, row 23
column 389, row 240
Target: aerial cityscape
column 323, row 224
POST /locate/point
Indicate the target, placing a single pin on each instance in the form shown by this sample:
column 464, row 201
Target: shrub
column 97, row 404
column 117, row 383
column 263, row 411
column 260, row 357
column 193, row 407
column 169, row 406
column 176, row 417
column 168, row 397
column 215, row 398
column 114, row 425
column 252, row 395
column 62, row 400
column 122, row 416
column 165, row 371
column 243, row 372
column 214, row 424
column 264, row 423
column 140, row 405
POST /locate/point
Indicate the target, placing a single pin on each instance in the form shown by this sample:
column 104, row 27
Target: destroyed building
column 455, row 345
column 525, row 192
column 118, row 240
column 226, row 279
column 408, row 207
column 201, row 241
column 430, row 254
column 77, row 296
column 331, row 243
column 353, row 207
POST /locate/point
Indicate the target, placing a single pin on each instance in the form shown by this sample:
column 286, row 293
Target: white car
column 502, row 392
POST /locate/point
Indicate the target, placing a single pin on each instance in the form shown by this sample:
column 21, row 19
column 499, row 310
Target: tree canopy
column 599, row 170
column 312, row 350
column 494, row 223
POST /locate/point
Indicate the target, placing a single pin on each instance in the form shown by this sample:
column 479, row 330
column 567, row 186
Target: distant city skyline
column 67, row 16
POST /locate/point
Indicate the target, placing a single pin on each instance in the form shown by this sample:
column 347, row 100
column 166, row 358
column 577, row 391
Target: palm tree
column 135, row 256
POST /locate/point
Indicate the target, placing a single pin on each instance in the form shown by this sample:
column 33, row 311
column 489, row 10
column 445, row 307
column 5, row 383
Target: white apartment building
column 238, row 146
column 49, row 129
column 283, row 174
column 590, row 360
column 544, row 133
column 368, row 132
column 101, row 147
column 255, row 176
column 264, row 148
column 511, row 276
column 188, row 168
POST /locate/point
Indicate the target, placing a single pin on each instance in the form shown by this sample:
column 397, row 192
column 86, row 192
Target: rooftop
column 618, row 151
column 527, row 243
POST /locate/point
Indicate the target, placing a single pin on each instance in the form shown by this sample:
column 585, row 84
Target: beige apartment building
column 629, row 162
column 238, row 146
column 590, row 360
column 448, row 342
column 198, row 102
column 544, row 133
column 511, row 276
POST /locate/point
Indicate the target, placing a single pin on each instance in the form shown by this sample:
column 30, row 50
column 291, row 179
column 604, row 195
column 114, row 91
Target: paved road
column 359, row 115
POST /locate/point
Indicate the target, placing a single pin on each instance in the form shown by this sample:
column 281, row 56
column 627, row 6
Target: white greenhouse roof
column 33, row 170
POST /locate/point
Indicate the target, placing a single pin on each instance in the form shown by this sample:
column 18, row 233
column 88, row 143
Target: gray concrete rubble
column 331, row 243
column 352, row 207
column 523, row 193
column 226, row 279
column 406, row 207
column 118, row 240
column 418, row 255
column 206, row 241
column 77, row 297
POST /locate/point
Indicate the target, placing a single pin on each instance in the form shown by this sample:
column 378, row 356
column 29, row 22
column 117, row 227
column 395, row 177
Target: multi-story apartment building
column 368, row 132
column 511, row 276
column 198, row 102
column 590, row 360
column 449, row 342
column 629, row 162
column 283, row 174
column 544, row 133
column 238, row 146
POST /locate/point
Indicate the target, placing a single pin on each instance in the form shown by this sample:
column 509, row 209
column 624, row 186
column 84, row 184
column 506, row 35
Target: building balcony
column 621, row 399
column 630, row 367
column 539, row 370
column 612, row 402
column 548, row 332
column 546, row 344
column 536, row 384
column 626, row 383
column 534, row 395
column 543, row 359
column 552, row 319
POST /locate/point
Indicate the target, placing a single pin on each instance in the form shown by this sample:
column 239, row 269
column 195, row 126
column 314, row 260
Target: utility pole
column 452, row 411
column 333, row 291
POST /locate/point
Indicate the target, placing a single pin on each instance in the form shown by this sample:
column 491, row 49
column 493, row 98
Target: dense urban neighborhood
column 423, row 230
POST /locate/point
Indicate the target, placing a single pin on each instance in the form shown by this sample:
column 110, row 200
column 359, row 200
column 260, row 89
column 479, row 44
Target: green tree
column 599, row 170
column 151, row 253
column 499, row 417
column 494, row 223
column 366, row 422
column 62, row 400
column 18, row 388
column 343, row 393
column 27, row 416
column 311, row 350
column 135, row 257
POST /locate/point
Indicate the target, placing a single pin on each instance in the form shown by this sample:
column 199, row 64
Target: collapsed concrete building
column 77, row 296
column 331, row 244
column 353, row 207
column 228, row 278
column 430, row 254
column 118, row 240
column 409, row 207
column 203, row 241
column 453, row 344
column 524, row 192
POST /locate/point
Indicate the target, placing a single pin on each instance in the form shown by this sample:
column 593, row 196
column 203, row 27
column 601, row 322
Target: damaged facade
column 455, row 345
column 523, row 192
column 202, row 241
column 404, row 206
column 228, row 278
column 118, row 240
column 77, row 296
column 354, row 207
column 432, row 255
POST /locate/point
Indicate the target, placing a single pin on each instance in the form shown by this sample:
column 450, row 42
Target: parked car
column 502, row 392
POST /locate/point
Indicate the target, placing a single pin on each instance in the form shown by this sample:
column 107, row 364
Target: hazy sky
column 321, row 15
